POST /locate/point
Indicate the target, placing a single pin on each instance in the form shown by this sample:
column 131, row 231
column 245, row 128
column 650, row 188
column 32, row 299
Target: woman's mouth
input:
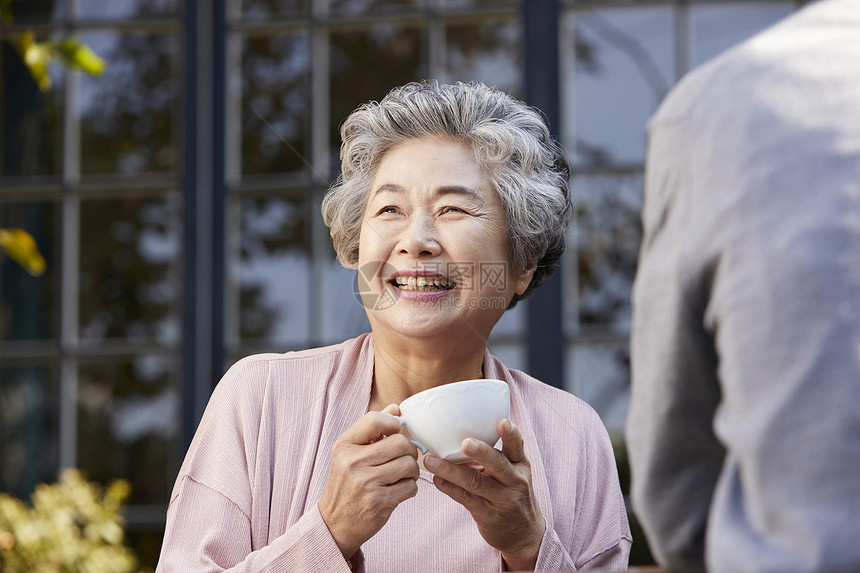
column 422, row 283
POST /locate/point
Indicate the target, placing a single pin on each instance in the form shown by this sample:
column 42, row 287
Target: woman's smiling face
column 434, row 245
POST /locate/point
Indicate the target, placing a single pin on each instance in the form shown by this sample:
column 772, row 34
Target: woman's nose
column 419, row 238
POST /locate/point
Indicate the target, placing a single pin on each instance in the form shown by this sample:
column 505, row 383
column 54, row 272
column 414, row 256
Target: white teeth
column 423, row 283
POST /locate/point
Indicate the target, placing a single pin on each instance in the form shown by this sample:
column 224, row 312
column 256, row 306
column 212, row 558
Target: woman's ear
column 525, row 277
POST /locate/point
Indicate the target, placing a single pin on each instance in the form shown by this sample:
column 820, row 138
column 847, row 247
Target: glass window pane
column 31, row 138
column 366, row 65
column 716, row 28
column 372, row 7
column 512, row 323
column 600, row 375
column 38, row 11
column 127, row 113
column 460, row 4
column 112, row 9
column 607, row 237
column 617, row 65
column 29, row 306
column 512, row 354
column 29, row 437
column 342, row 314
column 259, row 10
column 274, row 271
column 276, row 103
column 490, row 52
column 129, row 281
column 128, row 424
column 146, row 540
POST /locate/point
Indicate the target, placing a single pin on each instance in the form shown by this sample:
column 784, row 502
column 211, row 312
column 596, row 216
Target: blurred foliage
column 38, row 55
column 22, row 248
column 128, row 284
column 609, row 231
column 276, row 97
column 72, row 526
column 128, row 120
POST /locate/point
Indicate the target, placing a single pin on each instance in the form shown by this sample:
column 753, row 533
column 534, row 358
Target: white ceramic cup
column 439, row 419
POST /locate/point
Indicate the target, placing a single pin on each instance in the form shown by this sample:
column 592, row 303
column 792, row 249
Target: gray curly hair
column 527, row 167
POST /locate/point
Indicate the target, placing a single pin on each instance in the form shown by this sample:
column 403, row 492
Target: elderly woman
column 453, row 203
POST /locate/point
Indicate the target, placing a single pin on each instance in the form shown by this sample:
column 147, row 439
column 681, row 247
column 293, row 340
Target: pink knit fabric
column 246, row 495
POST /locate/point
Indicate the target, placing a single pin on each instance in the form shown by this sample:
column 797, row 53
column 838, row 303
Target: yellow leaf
column 78, row 55
column 21, row 248
column 118, row 491
column 36, row 56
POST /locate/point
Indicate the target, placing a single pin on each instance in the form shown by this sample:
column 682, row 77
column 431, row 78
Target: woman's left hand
column 500, row 496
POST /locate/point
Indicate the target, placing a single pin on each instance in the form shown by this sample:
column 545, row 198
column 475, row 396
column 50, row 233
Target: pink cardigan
column 246, row 495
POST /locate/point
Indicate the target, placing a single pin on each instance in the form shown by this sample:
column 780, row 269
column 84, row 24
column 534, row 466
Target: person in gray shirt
column 744, row 425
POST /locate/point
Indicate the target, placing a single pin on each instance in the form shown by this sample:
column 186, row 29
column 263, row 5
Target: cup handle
column 418, row 444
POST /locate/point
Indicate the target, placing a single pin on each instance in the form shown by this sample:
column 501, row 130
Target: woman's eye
column 388, row 209
column 451, row 209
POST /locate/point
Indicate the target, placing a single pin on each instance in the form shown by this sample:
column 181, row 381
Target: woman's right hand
column 373, row 468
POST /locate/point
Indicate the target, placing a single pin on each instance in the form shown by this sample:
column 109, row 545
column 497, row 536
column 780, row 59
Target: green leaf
column 77, row 55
